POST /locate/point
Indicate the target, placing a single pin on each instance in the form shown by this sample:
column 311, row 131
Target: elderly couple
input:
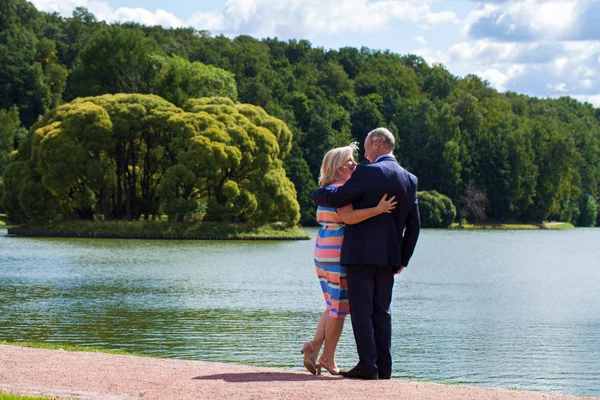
column 370, row 223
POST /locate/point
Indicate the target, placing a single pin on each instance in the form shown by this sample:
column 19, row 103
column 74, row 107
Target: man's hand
column 400, row 270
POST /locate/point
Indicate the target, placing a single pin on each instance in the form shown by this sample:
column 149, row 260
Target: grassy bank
column 67, row 347
column 10, row 396
column 514, row 226
column 4, row 222
column 187, row 228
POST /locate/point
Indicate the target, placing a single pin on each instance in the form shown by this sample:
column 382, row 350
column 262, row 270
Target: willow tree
column 128, row 156
column 233, row 160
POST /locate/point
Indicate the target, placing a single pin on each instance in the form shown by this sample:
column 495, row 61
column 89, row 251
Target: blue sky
column 536, row 47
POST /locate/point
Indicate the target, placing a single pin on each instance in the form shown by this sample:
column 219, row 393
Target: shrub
column 437, row 210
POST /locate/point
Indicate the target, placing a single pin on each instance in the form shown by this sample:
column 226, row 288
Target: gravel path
column 80, row 375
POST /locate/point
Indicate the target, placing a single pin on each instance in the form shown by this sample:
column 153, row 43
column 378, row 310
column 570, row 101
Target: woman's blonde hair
column 333, row 160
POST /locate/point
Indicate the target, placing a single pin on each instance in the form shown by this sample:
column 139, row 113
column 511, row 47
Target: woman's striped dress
column 331, row 274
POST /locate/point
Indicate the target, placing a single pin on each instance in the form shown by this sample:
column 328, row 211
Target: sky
column 535, row 47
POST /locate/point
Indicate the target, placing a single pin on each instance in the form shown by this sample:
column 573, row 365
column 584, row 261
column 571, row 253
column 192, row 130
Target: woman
column 338, row 165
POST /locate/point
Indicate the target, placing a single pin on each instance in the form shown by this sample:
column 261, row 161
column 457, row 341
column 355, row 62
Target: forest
column 87, row 112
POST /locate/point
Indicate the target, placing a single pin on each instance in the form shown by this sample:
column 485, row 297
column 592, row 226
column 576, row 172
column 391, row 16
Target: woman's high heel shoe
column 323, row 362
column 308, row 349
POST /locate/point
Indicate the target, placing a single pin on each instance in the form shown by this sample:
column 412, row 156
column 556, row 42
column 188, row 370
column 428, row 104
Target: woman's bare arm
column 351, row 216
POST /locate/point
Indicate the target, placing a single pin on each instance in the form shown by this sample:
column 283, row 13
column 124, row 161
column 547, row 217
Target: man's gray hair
column 385, row 136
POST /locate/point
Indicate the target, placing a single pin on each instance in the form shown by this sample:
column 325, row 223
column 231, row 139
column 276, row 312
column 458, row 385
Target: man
column 374, row 250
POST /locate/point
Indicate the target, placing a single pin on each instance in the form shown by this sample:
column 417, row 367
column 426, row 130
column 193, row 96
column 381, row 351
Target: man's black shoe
column 357, row 373
column 384, row 376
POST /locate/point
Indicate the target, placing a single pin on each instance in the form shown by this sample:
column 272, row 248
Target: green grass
column 68, row 347
column 4, row 222
column 514, row 226
column 557, row 225
column 11, row 396
column 186, row 228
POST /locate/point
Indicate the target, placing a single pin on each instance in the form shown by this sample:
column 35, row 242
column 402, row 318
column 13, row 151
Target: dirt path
column 80, row 375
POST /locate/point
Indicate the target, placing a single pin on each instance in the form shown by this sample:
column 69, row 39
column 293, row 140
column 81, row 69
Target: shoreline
column 35, row 232
column 515, row 227
column 94, row 375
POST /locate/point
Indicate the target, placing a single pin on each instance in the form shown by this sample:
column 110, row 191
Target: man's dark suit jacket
column 387, row 239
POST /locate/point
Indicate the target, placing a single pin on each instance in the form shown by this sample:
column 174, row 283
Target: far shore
column 162, row 230
column 552, row 225
column 37, row 232
column 57, row 373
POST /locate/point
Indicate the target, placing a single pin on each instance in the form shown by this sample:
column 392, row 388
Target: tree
column 557, row 182
column 25, row 79
column 473, row 205
column 298, row 172
column 439, row 82
column 54, row 75
column 126, row 156
column 9, row 126
column 588, row 211
column 383, row 72
column 366, row 116
column 177, row 80
column 247, row 146
column 117, row 59
column 334, row 80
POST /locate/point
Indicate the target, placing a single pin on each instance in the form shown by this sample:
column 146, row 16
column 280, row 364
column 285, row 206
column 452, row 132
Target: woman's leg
column 333, row 332
column 312, row 348
column 321, row 332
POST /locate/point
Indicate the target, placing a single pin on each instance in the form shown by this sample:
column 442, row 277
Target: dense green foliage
column 588, row 211
column 437, row 210
column 9, row 128
column 502, row 156
column 9, row 134
column 131, row 156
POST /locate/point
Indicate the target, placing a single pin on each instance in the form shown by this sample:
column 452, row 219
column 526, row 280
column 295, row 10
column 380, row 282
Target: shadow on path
column 264, row 377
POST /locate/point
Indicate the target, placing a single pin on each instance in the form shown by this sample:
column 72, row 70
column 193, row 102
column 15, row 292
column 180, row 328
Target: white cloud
column 102, row 11
column 585, row 71
column 484, row 52
column 145, row 17
column 559, row 54
column 499, row 79
column 432, row 56
column 476, row 15
column 64, row 7
column 311, row 18
column 592, row 99
column 560, row 63
column 421, row 40
column 527, row 67
column 282, row 18
column 208, row 21
column 527, row 20
column 496, row 78
column 431, row 20
column 559, row 87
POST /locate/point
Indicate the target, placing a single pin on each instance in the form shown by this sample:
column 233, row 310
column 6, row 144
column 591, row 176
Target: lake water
column 511, row 309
